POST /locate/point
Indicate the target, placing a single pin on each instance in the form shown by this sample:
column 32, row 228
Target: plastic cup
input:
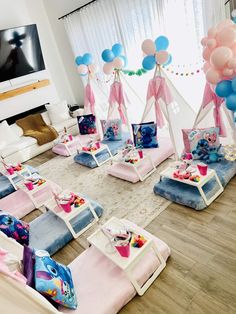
column 10, row 170
column 124, row 250
column 202, row 168
column 97, row 145
column 70, row 137
column 29, row 185
column 140, row 152
column 66, row 207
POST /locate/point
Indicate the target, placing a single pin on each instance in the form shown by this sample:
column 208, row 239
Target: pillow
column 87, row 124
column 14, row 228
column 28, row 265
column 7, row 135
column 54, row 280
column 58, row 112
column 145, row 135
column 112, row 129
column 202, row 143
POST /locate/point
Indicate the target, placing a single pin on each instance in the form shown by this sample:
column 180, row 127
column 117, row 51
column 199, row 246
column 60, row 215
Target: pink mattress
column 102, row 287
column 19, row 204
column 158, row 155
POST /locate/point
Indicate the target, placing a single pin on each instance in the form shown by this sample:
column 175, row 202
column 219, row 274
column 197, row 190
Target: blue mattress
column 49, row 232
column 114, row 146
column 189, row 196
column 6, row 187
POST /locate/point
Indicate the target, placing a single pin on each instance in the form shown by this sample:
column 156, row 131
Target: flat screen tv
column 20, row 52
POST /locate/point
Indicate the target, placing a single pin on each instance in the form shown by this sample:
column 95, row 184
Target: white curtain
column 105, row 22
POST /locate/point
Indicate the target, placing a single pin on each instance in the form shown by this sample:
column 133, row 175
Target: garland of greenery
column 139, row 72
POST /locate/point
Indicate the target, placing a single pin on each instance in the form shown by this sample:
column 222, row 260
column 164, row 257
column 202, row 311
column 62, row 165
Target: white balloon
column 233, row 13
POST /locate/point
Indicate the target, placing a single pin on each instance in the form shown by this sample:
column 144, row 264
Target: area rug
column 122, row 199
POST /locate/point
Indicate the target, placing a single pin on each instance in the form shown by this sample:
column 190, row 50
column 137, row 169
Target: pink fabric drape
column 117, row 96
column 158, row 89
column 4, row 269
column 208, row 97
column 89, row 99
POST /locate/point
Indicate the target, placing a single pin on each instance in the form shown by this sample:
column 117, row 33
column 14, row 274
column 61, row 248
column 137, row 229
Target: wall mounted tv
column 20, row 52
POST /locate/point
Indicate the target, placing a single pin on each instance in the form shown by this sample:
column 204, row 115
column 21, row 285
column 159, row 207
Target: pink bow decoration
column 89, row 99
column 158, row 89
column 117, row 96
column 4, row 269
column 208, row 97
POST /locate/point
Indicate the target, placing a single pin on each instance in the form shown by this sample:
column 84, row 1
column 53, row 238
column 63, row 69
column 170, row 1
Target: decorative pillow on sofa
column 14, row 228
column 112, row 129
column 87, row 124
column 58, row 112
column 204, row 144
column 7, row 135
column 145, row 135
column 54, row 280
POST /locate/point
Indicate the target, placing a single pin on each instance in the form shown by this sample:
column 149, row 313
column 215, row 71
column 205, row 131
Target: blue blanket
column 87, row 160
column 188, row 195
column 6, row 187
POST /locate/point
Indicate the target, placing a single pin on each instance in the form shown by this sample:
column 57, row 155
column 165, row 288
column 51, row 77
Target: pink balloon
column 108, row 68
column 224, row 24
column 226, row 37
column 148, row 47
column 233, row 48
column 212, row 32
column 228, row 72
column 118, row 63
column 82, row 69
column 220, row 56
column 206, row 54
column 204, row 41
column 211, row 43
column 213, row 76
column 206, row 67
column 232, row 63
column 161, row 57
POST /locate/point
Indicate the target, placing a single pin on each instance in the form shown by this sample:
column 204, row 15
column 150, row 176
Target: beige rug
column 122, row 199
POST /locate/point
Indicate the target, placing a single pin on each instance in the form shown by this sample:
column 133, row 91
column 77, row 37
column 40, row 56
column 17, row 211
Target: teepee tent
column 214, row 112
column 167, row 107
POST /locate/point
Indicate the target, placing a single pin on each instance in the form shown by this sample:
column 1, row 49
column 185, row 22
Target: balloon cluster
column 156, row 52
column 114, row 59
column 227, row 90
column 85, row 64
column 220, row 52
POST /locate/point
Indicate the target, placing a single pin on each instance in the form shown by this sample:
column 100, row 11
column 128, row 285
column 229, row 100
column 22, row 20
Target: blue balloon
column 161, row 43
column 108, row 55
column 117, row 49
column 79, row 60
column 231, row 102
column 149, row 62
column 233, row 84
column 169, row 61
column 224, row 88
column 124, row 58
column 87, row 58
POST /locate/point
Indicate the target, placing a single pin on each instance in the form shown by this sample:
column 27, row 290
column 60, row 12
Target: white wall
column 21, row 12
column 56, row 9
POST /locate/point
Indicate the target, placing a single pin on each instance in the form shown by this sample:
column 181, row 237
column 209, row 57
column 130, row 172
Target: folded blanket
column 34, row 126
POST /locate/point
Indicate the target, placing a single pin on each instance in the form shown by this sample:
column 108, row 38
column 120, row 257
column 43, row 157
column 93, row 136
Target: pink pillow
column 191, row 137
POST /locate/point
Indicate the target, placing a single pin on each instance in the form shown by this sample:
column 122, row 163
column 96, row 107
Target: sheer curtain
column 105, row 22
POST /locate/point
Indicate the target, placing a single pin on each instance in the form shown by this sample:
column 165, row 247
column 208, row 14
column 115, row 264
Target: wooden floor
column 200, row 276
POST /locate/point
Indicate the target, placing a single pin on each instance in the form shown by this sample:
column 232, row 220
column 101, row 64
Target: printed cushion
column 87, row 124
column 28, row 265
column 112, row 129
column 145, row 135
column 54, row 280
column 204, row 144
column 14, row 228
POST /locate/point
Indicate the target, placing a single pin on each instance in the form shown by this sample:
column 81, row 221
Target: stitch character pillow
column 112, row 129
column 145, row 135
column 14, row 228
column 204, row 144
column 87, row 124
column 54, row 280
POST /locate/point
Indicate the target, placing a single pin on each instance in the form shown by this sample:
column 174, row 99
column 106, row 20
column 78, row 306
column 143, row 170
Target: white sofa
column 25, row 148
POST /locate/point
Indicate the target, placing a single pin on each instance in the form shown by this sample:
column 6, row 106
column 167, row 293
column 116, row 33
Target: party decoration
column 227, row 90
column 85, row 65
column 223, row 88
column 156, row 53
column 219, row 52
column 114, row 58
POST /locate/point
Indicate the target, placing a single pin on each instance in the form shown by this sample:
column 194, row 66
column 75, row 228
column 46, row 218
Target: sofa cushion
column 20, row 144
column 58, row 112
column 67, row 123
column 16, row 129
column 46, row 118
column 7, row 135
